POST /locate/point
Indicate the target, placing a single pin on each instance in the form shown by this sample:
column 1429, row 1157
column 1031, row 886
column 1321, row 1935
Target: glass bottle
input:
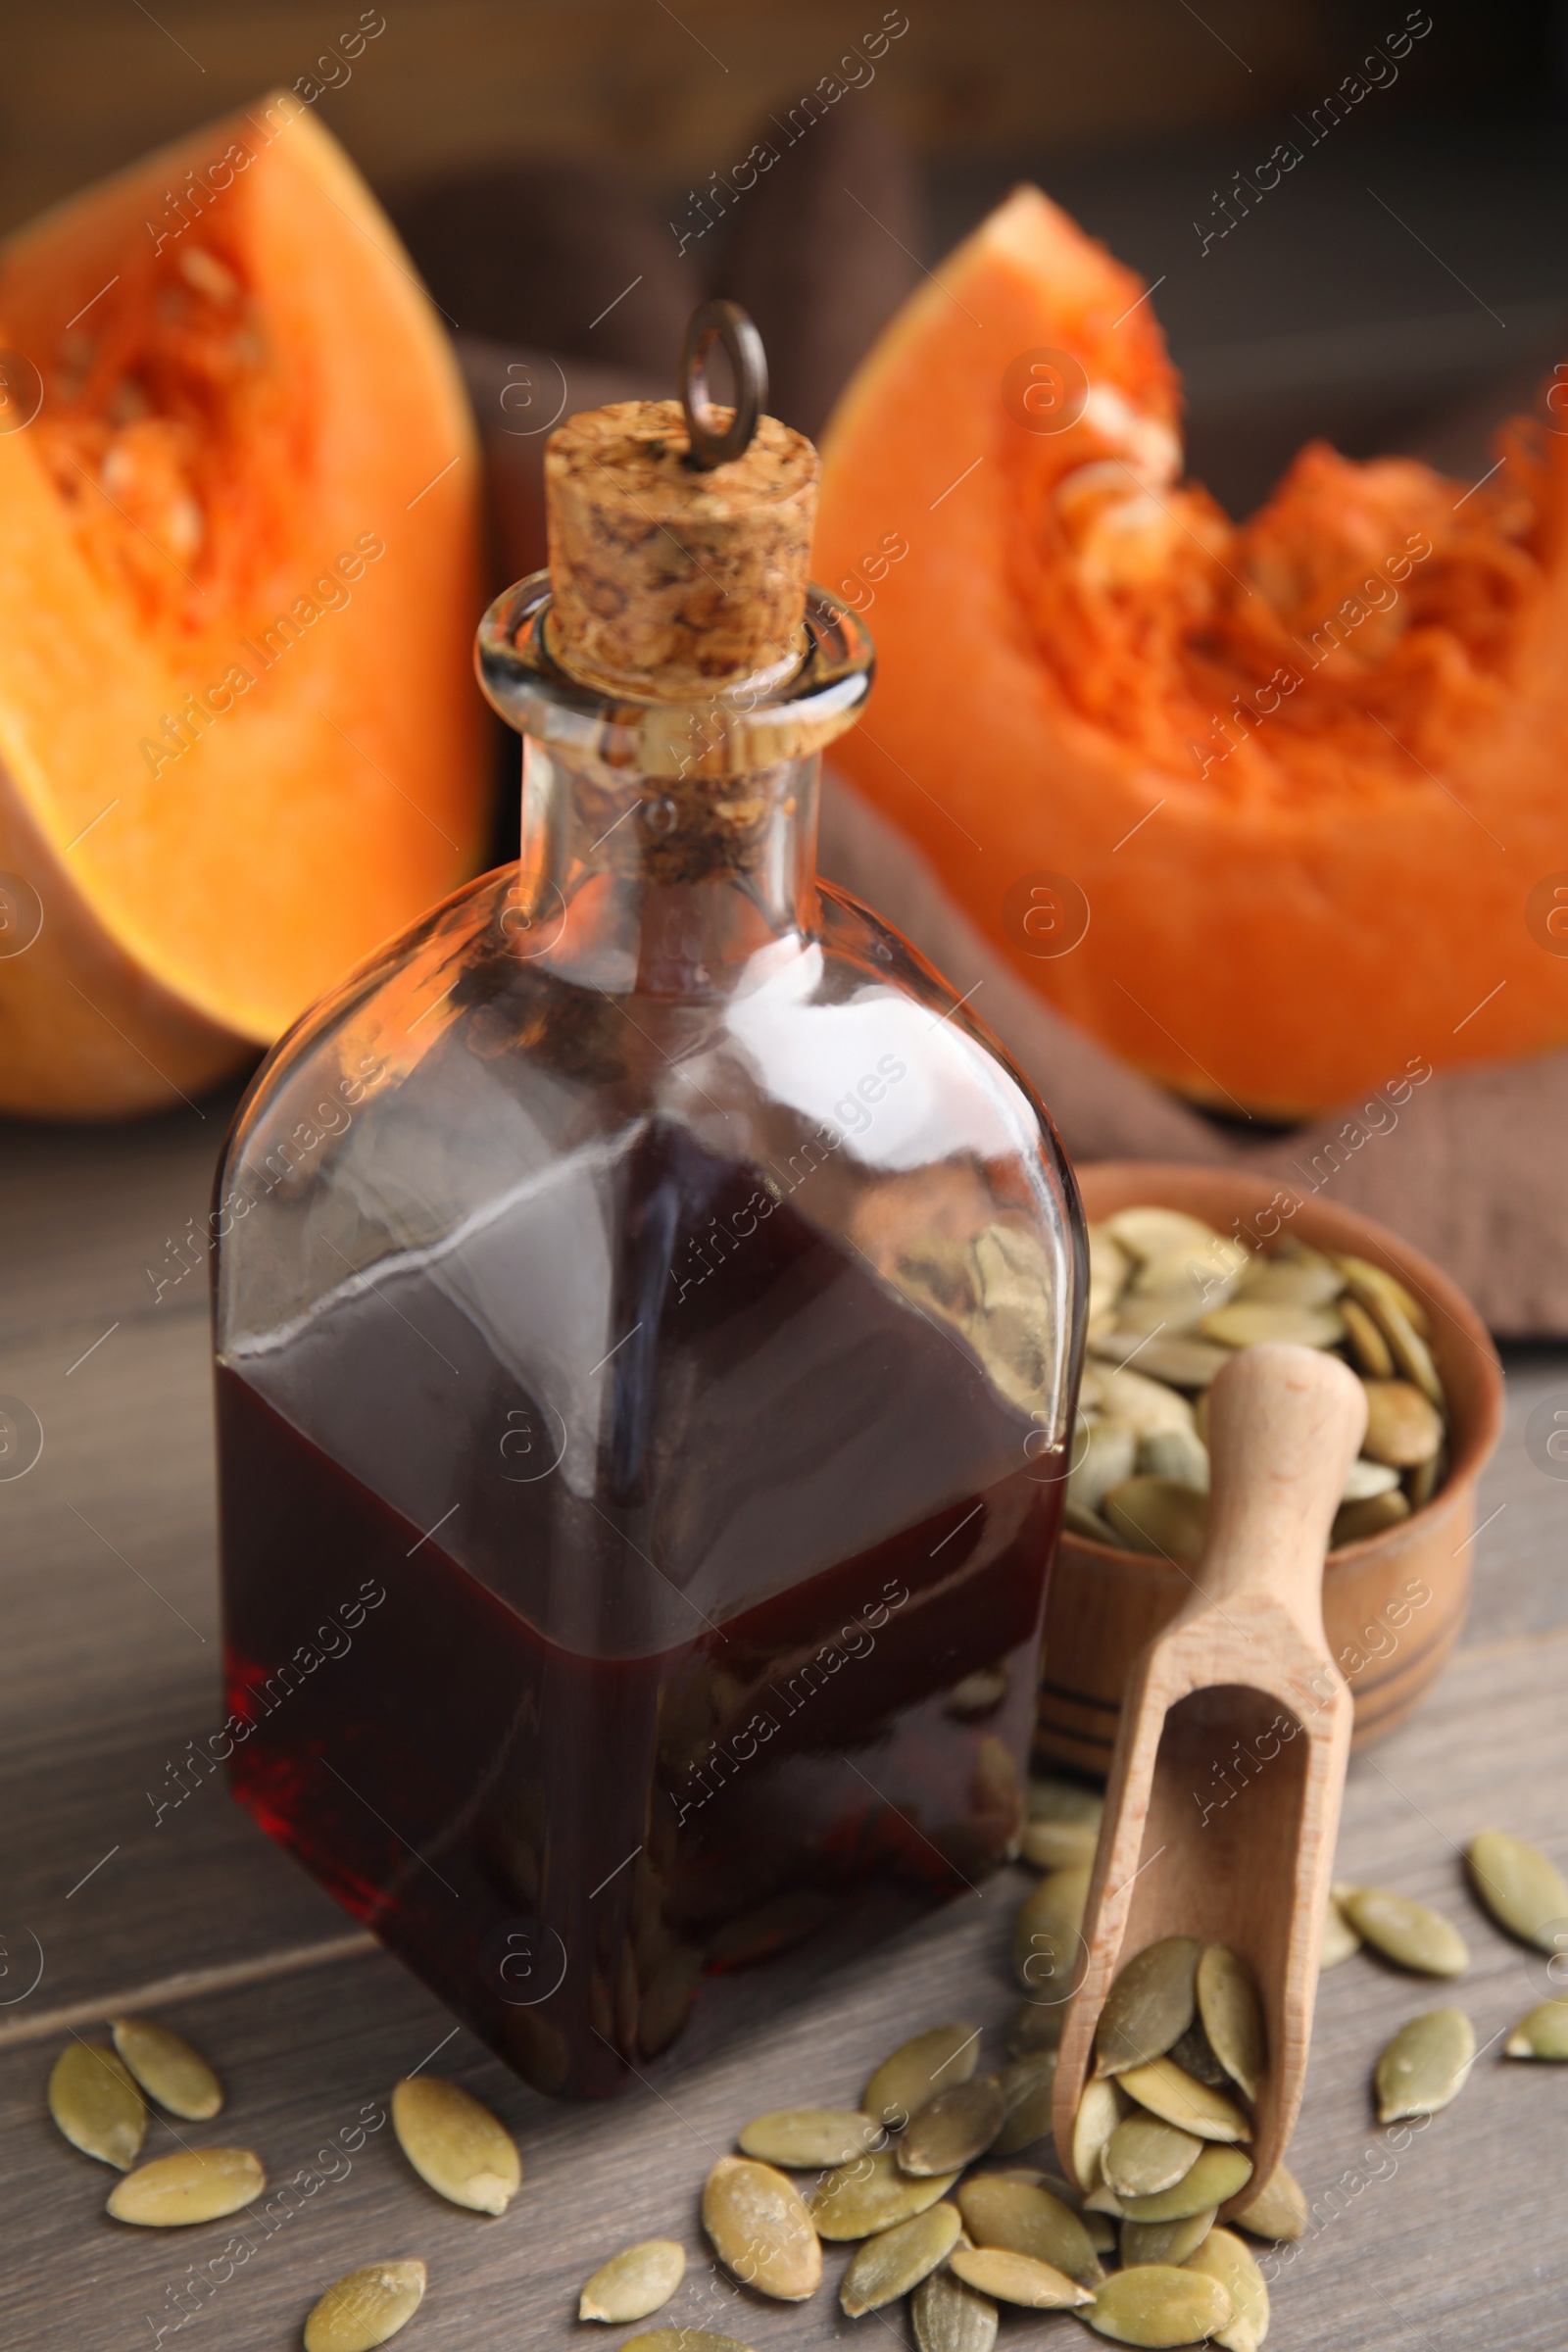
column 648, row 1309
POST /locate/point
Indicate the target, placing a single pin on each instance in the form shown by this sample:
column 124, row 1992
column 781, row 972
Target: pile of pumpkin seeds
column 1159, row 2146
column 98, row 2096
column 1170, row 1302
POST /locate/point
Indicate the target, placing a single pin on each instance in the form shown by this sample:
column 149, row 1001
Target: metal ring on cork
column 727, row 323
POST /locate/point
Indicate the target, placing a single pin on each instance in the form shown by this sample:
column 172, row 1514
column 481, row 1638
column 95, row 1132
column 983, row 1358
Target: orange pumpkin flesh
column 240, row 742
column 1306, row 770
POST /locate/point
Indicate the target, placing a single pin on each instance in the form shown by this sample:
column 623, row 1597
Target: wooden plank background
column 109, row 1667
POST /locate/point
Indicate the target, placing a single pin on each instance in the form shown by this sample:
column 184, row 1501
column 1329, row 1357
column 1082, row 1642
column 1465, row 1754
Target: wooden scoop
column 1224, row 1794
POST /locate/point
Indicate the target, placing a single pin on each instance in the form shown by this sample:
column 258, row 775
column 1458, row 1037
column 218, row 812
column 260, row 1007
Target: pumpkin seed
column 1163, row 2089
column 682, row 2339
column 1522, row 1889
column 1279, row 2209
column 1103, row 2201
column 1411, row 1352
column 1059, row 1844
column 1405, row 1931
column 1021, row 2218
column 1207, row 1270
column 1178, row 1453
column 1258, row 1322
column 97, row 2105
column 1017, row 2279
column 1158, row 1515
column 1028, row 2087
column 803, row 2140
column 366, row 2308
column 1108, row 1453
column 1233, row 2016
column 1287, row 1283
column 1035, row 2027
column 168, row 2069
column 895, row 2261
column 1048, row 1798
column 635, row 2282
column 1220, row 2173
column 1099, row 2230
column 1143, row 2156
column 870, row 2195
column 929, row 2062
column 1364, row 1479
column 1150, row 2005
column 1373, row 1355
column 1423, row 1482
column 1047, row 1939
column 1164, row 2241
column 758, row 2226
column 1182, row 1362
column 1092, row 1525
column 1193, row 2056
column 194, row 2184
column 1145, row 1405
column 949, row 2317
column 1151, row 1232
column 1376, row 1288
column 455, row 2143
column 1223, row 2257
column 1100, row 2111
column 1108, row 1268
column 1425, row 2065
column 1354, row 1521
column 1158, row 2303
column 1339, row 1938
column 954, row 2127
column 1089, row 1523
column 1401, row 1426
column 1541, row 2032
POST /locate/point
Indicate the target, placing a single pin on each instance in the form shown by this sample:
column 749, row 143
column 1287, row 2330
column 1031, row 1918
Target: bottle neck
column 664, row 886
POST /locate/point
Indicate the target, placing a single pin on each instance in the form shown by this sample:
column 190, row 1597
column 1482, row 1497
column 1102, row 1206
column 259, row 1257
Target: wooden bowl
column 1393, row 1603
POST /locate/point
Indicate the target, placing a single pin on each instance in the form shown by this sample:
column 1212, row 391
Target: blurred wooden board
column 110, row 1667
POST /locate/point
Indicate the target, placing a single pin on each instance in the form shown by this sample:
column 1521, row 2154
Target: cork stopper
column 680, row 533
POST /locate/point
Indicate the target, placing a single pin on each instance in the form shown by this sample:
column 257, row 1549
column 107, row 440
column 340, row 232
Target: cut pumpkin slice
column 240, row 742
column 1277, row 810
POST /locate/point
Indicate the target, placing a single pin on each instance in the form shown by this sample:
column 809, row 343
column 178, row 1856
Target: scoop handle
column 1285, row 1423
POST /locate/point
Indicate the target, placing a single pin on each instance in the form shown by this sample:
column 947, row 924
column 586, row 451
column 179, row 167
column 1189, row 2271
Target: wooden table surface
column 109, row 1666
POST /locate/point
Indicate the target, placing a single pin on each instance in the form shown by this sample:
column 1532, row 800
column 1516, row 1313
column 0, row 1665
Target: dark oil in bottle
column 587, row 1760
